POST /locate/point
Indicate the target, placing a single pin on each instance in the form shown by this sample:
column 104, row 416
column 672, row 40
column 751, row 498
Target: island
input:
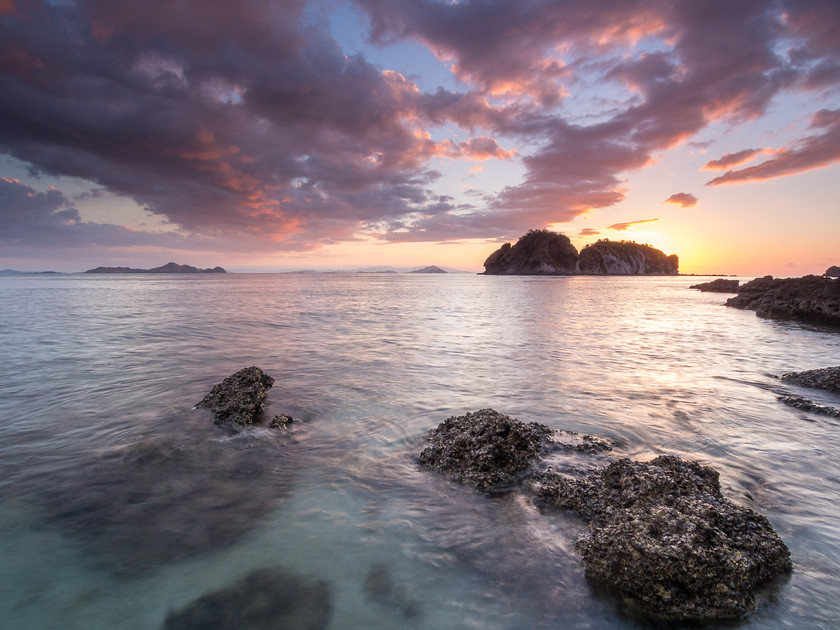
column 429, row 269
column 543, row 252
column 167, row 268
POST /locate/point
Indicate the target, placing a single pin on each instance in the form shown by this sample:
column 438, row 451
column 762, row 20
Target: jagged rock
column 281, row 421
column 238, row 398
column 821, row 378
column 809, row 405
column 721, row 285
column 485, row 449
column 264, row 599
column 625, row 258
column 811, row 299
column 662, row 533
column 832, row 272
column 539, row 252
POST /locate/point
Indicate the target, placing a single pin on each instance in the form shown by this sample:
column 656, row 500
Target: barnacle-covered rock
column 822, row 378
column 238, row 398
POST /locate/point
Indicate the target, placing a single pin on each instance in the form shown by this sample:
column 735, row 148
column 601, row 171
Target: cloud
column 732, row 159
column 686, row 200
column 623, row 226
column 588, row 232
column 809, row 153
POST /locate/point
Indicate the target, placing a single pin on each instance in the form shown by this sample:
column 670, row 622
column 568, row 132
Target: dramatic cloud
column 686, row 200
column 623, row 226
column 247, row 122
column 732, row 159
column 810, row 153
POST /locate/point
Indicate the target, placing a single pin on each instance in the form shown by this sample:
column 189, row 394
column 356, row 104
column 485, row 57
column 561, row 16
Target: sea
column 121, row 503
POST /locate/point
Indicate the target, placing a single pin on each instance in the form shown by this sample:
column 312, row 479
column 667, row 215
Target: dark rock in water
column 809, row 405
column 821, row 378
column 485, row 448
column 382, row 587
column 721, row 285
column 812, row 299
column 832, row 272
column 538, row 252
column 662, row 533
column 239, row 397
column 281, row 421
column 265, row 599
column 625, row 258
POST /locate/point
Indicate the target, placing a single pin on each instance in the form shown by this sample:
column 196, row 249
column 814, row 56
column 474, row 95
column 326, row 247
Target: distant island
column 543, row 252
column 429, row 269
column 167, row 268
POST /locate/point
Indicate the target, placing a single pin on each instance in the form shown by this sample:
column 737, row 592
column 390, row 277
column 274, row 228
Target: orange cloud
column 623, row 226
column 686, row 200
column 732, row 159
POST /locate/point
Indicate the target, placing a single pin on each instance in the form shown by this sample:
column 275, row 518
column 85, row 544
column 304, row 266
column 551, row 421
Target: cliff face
column 538, row 252
column 544, row 252
column 625, row 259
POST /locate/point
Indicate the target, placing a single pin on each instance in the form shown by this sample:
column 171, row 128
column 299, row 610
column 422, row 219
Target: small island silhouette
column 167, row 268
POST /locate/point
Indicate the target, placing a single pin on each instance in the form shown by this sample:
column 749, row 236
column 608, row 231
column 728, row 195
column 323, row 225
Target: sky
column 334, row 134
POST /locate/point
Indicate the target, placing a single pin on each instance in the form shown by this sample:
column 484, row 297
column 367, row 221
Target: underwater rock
column 809, row 405
column 485, row 448
column 264, row 599
column 721, row 285
column 281, row 421
column 238, row 398
column 382, row 587
column 821, row 378
column 812, row 299
column 661, row 532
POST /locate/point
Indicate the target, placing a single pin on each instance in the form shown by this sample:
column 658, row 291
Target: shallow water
column 120, row 503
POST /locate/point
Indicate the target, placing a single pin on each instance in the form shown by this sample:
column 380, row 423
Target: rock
column 538, row 252
column 832, row 272
column 281, row 421
column 721, row 285
column 429, row 269
column 821, row 378
column 382, row 587
column 485, row 449
column 625, row 258
column 662, row 533
column 238, row 398
column 809, row 405
column 264, row 599
column 812, row 299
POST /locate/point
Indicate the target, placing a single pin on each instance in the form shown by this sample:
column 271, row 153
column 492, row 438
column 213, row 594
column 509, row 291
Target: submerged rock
column 281, row 421
column 264, row 599
column 821, row 378
column 484, row 448
column 721, row 285
column 238, row 398
column 809, row 405
column 381, row 586
column 812, row 299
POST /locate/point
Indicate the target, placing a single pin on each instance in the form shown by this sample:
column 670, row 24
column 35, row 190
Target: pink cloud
column 812, row 152
column 588, row 232
column 686, row 200
column 732, row 159
column 623, row 226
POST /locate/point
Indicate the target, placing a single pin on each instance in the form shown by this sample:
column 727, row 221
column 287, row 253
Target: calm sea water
column 120, row 503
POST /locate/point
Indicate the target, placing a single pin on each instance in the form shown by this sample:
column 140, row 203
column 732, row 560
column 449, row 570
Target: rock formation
column 542, row 252
column 812, row 299
column 238, row 398
column 721, row 285
column 660, row 532
column 265, row 598
column 538, row 252
column 167, row 268
column 821, row 378
column 625, row 259
column 806, row 404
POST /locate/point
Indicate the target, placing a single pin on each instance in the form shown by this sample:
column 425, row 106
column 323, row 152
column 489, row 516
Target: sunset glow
column 340, row 134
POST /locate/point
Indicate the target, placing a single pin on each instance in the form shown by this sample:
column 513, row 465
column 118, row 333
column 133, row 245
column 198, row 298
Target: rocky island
column 429, row 269
column 543, row 252
column 167, row 268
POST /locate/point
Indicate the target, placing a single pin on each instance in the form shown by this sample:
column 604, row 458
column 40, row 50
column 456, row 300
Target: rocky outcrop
column 238, row 398
column 265, row 598
column 660, row 532
column 167, row 268
column 539, row 252
column 832, row 272
column 721, row 285
column 812, row 299
column 821, row 378
column 805, row 404
column 625, row 259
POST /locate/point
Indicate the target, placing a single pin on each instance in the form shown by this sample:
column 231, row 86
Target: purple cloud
column 732, row 159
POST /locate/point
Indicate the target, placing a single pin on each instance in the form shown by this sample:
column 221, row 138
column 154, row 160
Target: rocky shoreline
column 810, row 299
column 660, row 532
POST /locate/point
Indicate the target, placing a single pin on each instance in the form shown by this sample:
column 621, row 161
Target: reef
column 811, row 299
column 721, row 285
column 660, row 532
column 239, row 398
column 265, row 598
